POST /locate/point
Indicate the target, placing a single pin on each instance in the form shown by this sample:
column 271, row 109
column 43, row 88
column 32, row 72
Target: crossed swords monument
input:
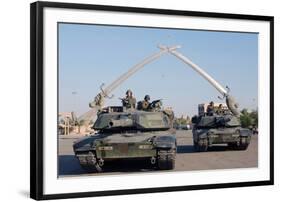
column 99, row 100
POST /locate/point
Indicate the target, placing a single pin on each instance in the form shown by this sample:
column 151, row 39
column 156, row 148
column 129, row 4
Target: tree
column 249, row 119
column 246, row 121
column 79, row 124
column 255, row 117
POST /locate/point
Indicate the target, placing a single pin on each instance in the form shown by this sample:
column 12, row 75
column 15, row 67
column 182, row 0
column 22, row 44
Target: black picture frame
column 37, row 102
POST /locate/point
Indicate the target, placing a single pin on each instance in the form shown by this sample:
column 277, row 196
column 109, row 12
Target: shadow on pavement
column 69, row 165
column 182, row 149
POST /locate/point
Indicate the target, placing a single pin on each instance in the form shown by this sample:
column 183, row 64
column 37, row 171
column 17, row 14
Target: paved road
column 219, row 157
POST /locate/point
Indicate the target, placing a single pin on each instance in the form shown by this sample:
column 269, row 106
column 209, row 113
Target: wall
column 14, row 78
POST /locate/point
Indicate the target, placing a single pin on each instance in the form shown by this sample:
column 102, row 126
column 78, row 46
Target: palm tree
column 79, row 124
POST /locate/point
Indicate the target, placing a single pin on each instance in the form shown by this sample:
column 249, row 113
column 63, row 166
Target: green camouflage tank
column 219, row 129
column 129, row 134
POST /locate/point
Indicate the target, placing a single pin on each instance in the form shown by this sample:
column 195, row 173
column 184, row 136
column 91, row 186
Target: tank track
column 89, row 162
column 201, row 145
column 166, row 159
column 242, row 144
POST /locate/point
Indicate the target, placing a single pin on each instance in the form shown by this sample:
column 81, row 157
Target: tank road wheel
column 243, row 144
column 166, row 159
column 92, row 164
column 243, row 147
column 203, row 145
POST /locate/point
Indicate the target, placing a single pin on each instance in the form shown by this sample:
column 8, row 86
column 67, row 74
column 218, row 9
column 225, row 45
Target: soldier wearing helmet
column 146, row 103
column 220, row 110
column 129, row 101
column 210, row 109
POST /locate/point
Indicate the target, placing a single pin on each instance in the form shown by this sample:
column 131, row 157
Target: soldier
column 129, row 101
column 210, row 109
column 219, row 111
column 145, row 103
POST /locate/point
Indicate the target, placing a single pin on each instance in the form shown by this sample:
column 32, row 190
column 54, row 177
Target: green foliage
column 255, row 117
column 249, row 119
column 246, row 121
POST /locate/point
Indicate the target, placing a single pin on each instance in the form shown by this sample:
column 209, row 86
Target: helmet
column 211, row 103
column 147, row 98
column 129, row 92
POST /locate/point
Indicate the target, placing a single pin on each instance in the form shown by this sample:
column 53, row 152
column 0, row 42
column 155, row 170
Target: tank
column 219, row 129
column 128, row 134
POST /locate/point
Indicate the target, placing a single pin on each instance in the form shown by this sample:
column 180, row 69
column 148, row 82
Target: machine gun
column 155, row 105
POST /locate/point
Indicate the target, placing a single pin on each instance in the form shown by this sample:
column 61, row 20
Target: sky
column 90, row 55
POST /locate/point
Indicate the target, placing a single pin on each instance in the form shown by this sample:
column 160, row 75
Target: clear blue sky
column 90, row 55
